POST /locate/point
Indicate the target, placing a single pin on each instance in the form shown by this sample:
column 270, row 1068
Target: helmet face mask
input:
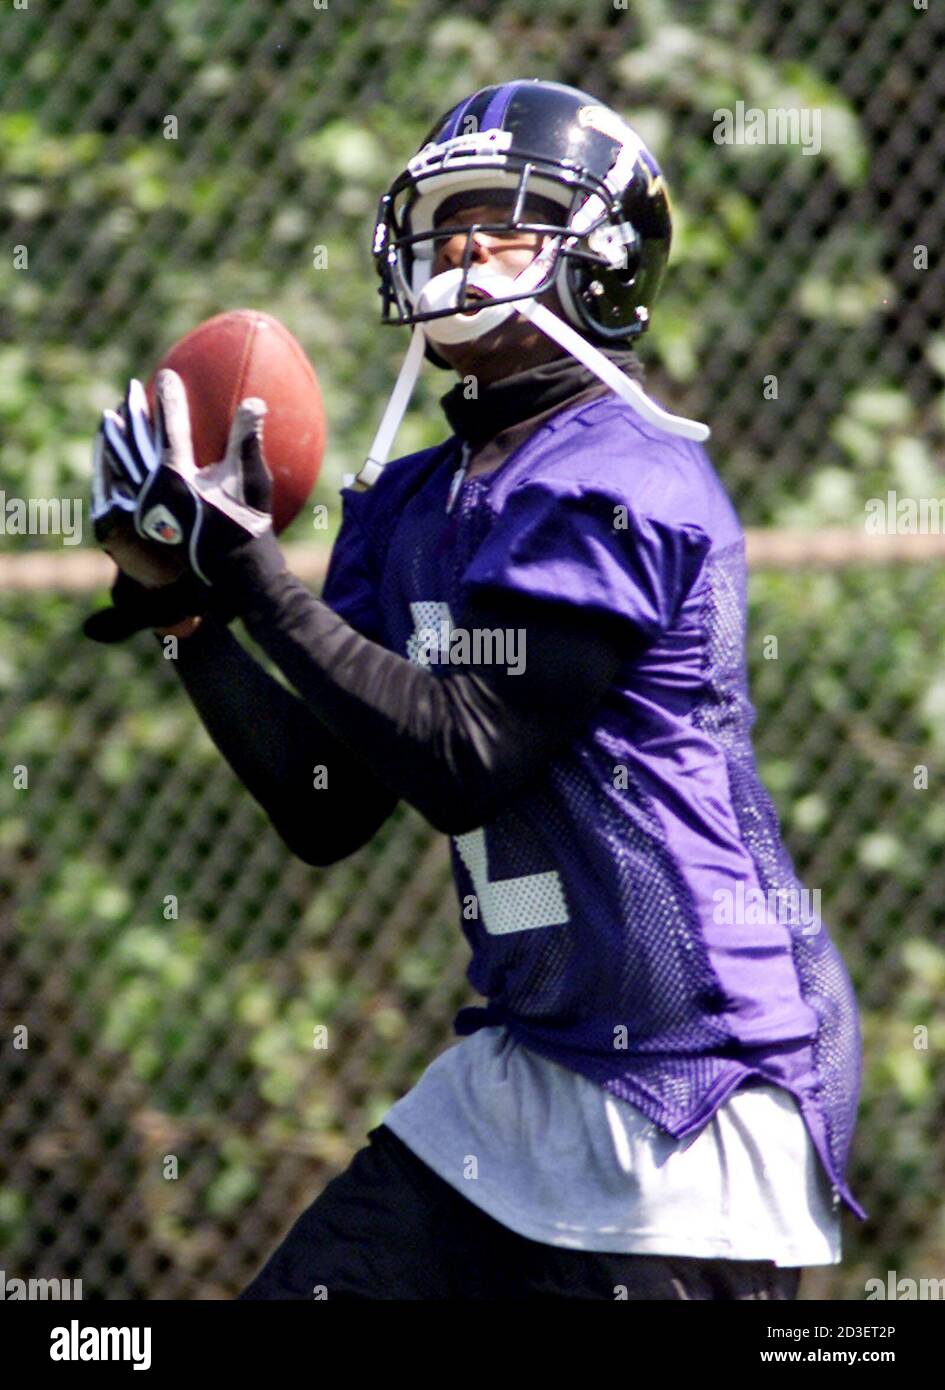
column 570, row 171
column 410, row 253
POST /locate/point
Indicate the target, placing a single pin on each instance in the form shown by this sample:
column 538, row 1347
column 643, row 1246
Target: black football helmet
column 565, row 166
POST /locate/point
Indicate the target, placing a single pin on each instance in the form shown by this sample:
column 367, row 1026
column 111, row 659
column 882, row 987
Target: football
column 240, row 353
column 249, row 353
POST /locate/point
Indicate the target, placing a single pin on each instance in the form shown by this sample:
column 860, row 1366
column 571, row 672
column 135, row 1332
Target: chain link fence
column 196, row 1030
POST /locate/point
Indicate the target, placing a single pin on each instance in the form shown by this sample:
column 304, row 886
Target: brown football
column 249, row 353
column 241, row 353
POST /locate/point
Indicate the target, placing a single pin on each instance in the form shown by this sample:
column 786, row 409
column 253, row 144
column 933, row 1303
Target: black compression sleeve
column 274, row 744
column 457, row 747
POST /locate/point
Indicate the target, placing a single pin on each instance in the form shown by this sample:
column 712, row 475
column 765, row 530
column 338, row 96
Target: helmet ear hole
column 603, row 302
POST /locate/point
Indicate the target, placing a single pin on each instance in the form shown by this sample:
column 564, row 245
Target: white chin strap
column 394, row 413
column 441, row 293
column 609, row 373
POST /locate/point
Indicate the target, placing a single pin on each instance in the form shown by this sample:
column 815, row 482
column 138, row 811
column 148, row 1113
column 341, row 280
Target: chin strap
column 393, row 414
column 566, row 337
column 609, row 373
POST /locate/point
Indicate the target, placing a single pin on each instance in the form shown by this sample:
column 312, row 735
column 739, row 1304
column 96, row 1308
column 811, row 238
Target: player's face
column 502, row 253
column 515, row 344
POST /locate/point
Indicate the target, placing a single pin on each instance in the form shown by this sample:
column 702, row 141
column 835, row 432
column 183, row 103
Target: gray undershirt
column 556, row 1158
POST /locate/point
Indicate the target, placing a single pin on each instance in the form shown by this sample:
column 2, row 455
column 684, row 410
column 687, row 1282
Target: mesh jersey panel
column 725, row 712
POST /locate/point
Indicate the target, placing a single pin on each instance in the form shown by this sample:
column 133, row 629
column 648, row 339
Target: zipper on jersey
column 458, row 478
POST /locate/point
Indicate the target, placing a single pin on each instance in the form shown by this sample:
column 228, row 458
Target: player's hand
column 147, row 469
column 135, row 607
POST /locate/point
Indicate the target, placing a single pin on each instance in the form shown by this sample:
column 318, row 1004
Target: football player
column 534, row 633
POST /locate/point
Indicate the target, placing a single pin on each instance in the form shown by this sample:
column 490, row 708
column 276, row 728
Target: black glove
column 135, row 608
column 146, row 469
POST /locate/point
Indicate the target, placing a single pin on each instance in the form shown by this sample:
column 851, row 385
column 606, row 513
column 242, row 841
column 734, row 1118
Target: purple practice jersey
column 635, row 915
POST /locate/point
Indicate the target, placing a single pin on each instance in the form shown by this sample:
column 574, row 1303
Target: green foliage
column 134, row 237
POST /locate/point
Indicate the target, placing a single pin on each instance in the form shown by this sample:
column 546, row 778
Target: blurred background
column 168, row 957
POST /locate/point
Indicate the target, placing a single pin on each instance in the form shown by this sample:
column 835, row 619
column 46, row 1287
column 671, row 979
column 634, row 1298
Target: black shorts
column 389, row 1228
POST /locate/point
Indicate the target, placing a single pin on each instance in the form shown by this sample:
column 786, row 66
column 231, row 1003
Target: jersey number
column 505, row 904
